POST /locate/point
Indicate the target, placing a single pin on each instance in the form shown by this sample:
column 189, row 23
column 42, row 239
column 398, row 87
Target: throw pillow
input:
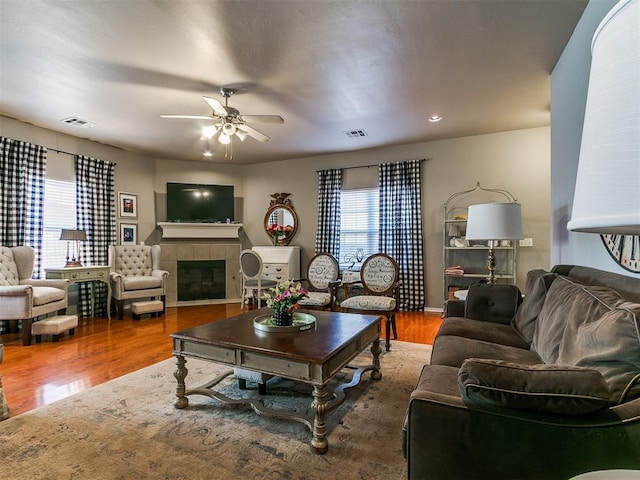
column 567, row 305
column 609, row 343
column 536, row 287
column 547, row 388
column 492, row 302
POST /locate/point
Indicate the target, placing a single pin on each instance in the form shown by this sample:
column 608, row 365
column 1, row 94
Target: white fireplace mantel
column 200, row 230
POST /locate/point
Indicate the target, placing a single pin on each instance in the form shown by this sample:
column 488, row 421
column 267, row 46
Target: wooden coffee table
column 313, row 356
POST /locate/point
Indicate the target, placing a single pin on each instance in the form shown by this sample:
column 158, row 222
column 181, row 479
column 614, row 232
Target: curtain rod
column 61, row 151
column 369, row 166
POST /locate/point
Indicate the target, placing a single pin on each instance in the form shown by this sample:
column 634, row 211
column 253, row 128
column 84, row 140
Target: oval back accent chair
column 135, row 273
column 253, row 283
column 379, row 278
column 23, row 298
column 322, row 271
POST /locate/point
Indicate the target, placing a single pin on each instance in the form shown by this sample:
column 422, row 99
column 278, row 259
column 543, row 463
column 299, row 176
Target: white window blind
column 59, row 213
column 359, row 222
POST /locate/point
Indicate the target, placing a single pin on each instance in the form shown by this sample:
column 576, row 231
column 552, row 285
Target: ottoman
column 152, row 306
column 243, row 375
column 54, row 326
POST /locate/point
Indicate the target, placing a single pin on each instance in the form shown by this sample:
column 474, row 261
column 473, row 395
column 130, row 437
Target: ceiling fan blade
column 191, row 117
column 217, row 107
column 263, row 118
column 252, row 132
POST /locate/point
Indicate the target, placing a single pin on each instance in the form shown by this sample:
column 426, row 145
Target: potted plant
column 283, row 299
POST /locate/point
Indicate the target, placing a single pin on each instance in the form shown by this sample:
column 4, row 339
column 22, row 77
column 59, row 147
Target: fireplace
column 201, row 252
column 201, row 280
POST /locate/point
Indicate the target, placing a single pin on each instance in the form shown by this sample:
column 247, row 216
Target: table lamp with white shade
column 493, row 222
column 75, row 236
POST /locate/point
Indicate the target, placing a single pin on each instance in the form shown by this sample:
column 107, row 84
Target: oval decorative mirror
column 281, row 220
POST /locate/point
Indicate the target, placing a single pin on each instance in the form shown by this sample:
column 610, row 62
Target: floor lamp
column 75, row 236
column 493, row 222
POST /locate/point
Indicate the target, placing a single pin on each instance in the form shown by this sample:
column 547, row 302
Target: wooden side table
column 92, row 273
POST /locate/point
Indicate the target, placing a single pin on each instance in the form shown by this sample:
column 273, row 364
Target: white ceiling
column 326, row 67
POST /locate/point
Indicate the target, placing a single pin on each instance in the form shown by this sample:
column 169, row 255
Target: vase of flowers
column 283, row 299
column 276, row 231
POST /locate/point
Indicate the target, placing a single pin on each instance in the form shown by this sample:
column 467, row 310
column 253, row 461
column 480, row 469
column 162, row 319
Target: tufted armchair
column 23, row 298
column 135, row 273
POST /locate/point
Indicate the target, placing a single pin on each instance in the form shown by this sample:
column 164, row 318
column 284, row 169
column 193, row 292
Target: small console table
column 93, row 273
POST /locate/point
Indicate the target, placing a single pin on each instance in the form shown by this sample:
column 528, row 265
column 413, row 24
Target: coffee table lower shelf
column 320, row 406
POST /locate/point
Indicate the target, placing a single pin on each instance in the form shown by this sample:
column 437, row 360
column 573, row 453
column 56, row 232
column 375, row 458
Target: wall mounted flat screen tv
column 191, row 202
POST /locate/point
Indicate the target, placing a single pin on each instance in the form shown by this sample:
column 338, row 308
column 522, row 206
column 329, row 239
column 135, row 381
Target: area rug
column 128, row 428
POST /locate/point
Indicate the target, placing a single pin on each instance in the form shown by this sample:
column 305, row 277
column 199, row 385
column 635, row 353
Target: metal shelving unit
column 471, row 257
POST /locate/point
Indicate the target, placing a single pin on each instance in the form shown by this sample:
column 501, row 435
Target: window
column 359, row 223
column 59, row 213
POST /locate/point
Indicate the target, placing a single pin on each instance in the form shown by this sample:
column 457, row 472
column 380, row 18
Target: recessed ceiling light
column 207, row 154
column 435, row 118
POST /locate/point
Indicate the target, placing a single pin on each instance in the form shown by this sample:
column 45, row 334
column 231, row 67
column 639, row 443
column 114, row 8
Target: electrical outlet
column 526, row 242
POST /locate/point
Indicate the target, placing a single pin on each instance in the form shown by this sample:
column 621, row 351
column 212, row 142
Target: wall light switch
column 526, row 242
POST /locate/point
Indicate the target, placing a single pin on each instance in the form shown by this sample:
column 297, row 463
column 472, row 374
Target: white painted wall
column 517, row 161
column 569, row 85
column 134, row 173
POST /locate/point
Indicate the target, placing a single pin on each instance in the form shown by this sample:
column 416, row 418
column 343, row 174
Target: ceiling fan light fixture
column 229, row 129
column 224, row 139
column 209, row 131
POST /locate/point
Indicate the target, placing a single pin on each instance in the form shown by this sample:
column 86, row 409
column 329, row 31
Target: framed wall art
column 127, row 205
column 128, row 233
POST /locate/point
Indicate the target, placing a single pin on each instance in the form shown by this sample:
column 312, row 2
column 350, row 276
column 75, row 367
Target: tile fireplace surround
column 229, row 252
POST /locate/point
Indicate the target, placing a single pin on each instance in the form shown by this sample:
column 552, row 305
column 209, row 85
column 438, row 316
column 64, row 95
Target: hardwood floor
column 101, row 350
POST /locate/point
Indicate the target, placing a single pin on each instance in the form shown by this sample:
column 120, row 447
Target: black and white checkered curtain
column 22, row 173
column 96, row 214
column 328, row 232
column 401, row 227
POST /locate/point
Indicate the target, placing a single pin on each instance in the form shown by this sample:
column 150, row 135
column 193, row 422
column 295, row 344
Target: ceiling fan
column 229, row 121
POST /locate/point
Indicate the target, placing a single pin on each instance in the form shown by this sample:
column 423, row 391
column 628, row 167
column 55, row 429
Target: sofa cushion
column 45, row 295
column 536, row 287
column 481, row 330
column 492, row 303
column 452, row 350
column 548, row 388
column 369, row 302
column 568, row 302
column 611, row 344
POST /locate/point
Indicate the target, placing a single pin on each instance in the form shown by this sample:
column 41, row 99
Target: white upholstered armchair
column 135, row 273
column 23, row 298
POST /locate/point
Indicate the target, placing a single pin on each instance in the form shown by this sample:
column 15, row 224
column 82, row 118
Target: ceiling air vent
column 78, row 122
column 355, row 133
